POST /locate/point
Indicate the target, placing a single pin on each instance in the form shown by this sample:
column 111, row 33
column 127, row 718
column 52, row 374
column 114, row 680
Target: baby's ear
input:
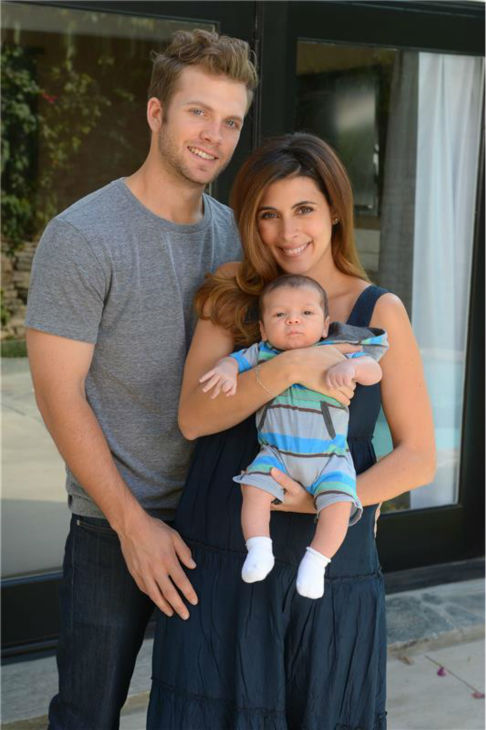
column 263, row 334
column 327, row 322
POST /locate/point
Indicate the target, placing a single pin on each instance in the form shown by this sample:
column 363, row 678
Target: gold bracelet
column 264, row 387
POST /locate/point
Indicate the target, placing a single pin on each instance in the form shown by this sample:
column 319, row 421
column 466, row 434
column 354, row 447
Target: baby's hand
column 341, row 374
column 223, row 377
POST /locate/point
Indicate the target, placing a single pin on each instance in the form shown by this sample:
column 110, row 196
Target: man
column 110, row 321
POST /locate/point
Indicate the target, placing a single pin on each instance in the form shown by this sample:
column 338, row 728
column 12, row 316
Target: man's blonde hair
column 217, row 54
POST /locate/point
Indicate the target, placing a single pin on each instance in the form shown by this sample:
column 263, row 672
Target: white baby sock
column 310, row 576
column 259, row 561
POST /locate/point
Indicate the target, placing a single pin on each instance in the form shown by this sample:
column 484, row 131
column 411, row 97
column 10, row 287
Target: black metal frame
column 407, row 540
column 420, row 537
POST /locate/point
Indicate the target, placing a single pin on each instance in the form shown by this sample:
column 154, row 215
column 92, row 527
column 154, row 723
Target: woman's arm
column 407, row 410
column 200, row 415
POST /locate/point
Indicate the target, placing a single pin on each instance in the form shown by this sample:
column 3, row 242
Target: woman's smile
column 294, row 252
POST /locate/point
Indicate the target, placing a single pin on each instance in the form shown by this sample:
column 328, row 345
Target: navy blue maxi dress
column 259, row 656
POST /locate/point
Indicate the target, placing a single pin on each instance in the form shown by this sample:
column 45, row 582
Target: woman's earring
column 335, row 220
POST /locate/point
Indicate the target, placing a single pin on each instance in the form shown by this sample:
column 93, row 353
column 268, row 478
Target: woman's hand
column 297, row 499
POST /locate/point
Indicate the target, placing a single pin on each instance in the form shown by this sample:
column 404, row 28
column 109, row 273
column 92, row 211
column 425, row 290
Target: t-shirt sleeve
column 68, row 285
column 246, row 359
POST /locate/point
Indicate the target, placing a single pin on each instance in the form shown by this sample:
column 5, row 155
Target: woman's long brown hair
column 231, row 302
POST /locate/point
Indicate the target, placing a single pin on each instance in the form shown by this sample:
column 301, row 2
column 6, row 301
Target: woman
column 259, row 656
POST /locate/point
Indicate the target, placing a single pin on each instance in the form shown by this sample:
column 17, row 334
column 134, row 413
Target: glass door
column 407, row 126
column 403, row 109
column 74, row 83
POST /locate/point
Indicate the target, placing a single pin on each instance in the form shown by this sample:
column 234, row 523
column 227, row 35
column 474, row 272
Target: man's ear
column 263, row 334
column 154, row 114
column 327, row 322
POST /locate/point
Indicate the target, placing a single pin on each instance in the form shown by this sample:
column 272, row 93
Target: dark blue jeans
column 103, row 620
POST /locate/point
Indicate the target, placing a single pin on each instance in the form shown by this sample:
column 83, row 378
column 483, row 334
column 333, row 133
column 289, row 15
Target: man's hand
column 342, row 374
column 153, row 552
column 297, row 499
column 223, row 377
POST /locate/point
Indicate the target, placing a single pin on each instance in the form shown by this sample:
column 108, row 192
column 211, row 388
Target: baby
column 301, row 431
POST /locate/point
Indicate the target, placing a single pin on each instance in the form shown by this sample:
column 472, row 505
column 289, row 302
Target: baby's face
column 293, row 317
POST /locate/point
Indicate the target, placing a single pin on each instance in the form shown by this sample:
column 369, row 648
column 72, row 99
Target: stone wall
column 15, row 285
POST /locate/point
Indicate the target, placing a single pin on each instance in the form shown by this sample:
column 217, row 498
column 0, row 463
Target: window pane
column 74, row 90
column 407, row 126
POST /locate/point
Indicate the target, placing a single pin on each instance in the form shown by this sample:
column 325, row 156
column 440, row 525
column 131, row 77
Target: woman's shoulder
column 389, row 312
column 388, row 302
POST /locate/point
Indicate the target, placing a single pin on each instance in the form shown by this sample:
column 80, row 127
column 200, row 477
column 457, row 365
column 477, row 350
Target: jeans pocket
column 95, row 525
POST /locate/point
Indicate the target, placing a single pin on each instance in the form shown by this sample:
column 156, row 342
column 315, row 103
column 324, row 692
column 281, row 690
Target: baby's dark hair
column 296, row 281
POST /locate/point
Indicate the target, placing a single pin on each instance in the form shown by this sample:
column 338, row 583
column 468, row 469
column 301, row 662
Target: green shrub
column 13, row 348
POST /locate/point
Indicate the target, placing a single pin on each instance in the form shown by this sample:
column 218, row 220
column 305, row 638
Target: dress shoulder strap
column 364, row 305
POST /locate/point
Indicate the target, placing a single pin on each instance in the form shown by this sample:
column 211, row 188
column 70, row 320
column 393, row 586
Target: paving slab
column 421, row 699
column 435, row 617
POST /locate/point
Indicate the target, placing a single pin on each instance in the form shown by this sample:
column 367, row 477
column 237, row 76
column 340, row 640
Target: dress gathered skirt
column 259, row 656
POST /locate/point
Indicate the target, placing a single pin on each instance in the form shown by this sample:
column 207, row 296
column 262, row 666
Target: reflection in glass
column 342, row 105
column 411, row 150
column 74, row 89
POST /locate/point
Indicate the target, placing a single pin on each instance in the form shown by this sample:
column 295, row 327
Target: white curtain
column 449, row 122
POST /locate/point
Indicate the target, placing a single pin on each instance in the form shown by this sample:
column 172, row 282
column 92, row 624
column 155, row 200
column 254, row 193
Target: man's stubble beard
column 171, row 160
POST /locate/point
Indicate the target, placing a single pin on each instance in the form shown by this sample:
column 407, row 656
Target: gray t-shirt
column 110, row 272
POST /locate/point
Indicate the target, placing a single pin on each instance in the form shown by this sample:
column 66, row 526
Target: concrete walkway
column 428, row 629
column 421, row 699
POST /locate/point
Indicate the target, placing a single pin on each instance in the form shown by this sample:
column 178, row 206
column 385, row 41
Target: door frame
column 430, row 536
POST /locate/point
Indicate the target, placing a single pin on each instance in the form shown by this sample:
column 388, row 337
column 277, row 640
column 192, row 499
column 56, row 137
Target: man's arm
column 151, row 549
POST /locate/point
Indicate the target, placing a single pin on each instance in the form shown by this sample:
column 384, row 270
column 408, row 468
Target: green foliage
column 4, row 313
column 57, row 118
column 19, row 127
column 71, row 112
column 13, row 348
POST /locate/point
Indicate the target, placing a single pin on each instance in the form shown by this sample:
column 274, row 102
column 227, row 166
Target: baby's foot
column 259, row 561
column 310, row 576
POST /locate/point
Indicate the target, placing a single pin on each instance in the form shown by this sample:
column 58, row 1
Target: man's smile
column 201, row 153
